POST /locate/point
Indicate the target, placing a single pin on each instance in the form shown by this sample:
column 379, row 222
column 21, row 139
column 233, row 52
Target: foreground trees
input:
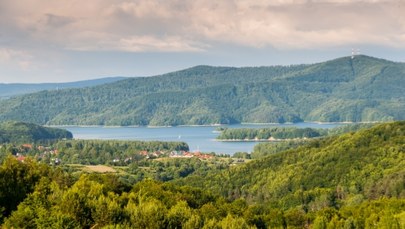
column 356, row 180
column 90, row 203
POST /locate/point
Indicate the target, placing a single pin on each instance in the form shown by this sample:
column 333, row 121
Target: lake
column 199, row 138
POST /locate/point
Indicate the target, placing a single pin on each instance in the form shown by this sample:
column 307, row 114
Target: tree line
column 286, row 133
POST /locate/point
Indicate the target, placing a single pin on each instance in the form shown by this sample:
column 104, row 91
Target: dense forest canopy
column 353, row 164
column 354, row 180
column 344, row 89
column 286, row 133
column 20, row 132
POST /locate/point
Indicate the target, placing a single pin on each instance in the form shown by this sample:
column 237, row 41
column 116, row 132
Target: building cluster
column 185, row 154
column 45, row 152
column 155, row 154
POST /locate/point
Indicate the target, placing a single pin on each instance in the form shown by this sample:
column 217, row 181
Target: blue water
column 200, row 138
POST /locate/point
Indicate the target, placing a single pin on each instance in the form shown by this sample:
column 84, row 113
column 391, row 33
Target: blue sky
column 70, row 40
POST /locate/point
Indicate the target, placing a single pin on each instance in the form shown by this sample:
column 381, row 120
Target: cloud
column 305, row 24
column 190, row 26
column 167, row 44
column 141, row 44
column 56, row 21
column 21, row 58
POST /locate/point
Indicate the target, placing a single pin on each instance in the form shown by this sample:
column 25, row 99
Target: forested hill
column 12, row 89
column 19, row 132
column 345, row 89
column 336, row 171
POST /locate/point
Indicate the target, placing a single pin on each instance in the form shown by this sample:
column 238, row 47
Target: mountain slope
column 12, row 89
column 345, row 89
column 367, row 164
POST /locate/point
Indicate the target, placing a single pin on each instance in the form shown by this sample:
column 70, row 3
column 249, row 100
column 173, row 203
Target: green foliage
column 176, row 168
column 274, row 133
column 85, row 152
column 20, row 132
column 266, row 148
column 12, row 89
column 17, row 180
column 349, row 128
column 243, row 155
column 322, row 173
column 345, row 89
column 286, row 133
column 105, row 151
column 354, row 180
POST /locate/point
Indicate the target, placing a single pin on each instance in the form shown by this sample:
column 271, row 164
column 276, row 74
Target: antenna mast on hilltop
column 355, row 52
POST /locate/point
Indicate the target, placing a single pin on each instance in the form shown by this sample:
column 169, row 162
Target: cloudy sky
column 70, row 40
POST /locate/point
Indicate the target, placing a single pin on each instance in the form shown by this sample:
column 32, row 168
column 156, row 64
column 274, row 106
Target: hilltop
column 361, row 89
column 20, row 132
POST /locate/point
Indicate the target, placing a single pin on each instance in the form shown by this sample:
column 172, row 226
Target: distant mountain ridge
column 342, row 90
column 12, row 89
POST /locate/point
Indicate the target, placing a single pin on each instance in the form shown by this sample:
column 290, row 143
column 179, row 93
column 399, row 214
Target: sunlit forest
column 351, row 180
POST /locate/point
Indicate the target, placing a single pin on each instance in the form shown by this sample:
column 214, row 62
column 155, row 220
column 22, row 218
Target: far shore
column 206, row 125
column 263, row 140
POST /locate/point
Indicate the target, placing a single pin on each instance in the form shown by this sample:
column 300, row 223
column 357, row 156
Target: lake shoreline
column 263, row 140
column 201, row 138
column 208, row 125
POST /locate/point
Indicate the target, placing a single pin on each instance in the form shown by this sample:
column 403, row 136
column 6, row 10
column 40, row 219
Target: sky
column 72, row 40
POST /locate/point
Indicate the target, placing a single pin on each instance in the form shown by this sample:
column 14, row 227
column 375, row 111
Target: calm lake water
column 200, row 138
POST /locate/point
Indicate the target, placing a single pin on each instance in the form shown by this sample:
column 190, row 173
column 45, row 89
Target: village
column 53, row 156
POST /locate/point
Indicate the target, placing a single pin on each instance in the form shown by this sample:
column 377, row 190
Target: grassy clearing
column 97, row 168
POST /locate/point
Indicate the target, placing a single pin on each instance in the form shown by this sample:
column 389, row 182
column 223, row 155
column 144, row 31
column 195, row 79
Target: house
column 26, row 146
column 144, row 153
column 21, row 158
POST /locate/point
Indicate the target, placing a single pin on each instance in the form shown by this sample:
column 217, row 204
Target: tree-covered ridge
column 355, row 180
column 286, row 133
column 12, row 89
column 334, row 172
column 345, row 89
column 20, row 132
column 273, row 133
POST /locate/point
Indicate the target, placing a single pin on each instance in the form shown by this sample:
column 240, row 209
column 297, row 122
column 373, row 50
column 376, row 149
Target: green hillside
column 345, row 89
column 333, row 172
column 19, row 132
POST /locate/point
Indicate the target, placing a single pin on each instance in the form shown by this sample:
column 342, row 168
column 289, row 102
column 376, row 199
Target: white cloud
column 21, row 58
column 189, row 26
column 139, row 44
column 167, row 44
